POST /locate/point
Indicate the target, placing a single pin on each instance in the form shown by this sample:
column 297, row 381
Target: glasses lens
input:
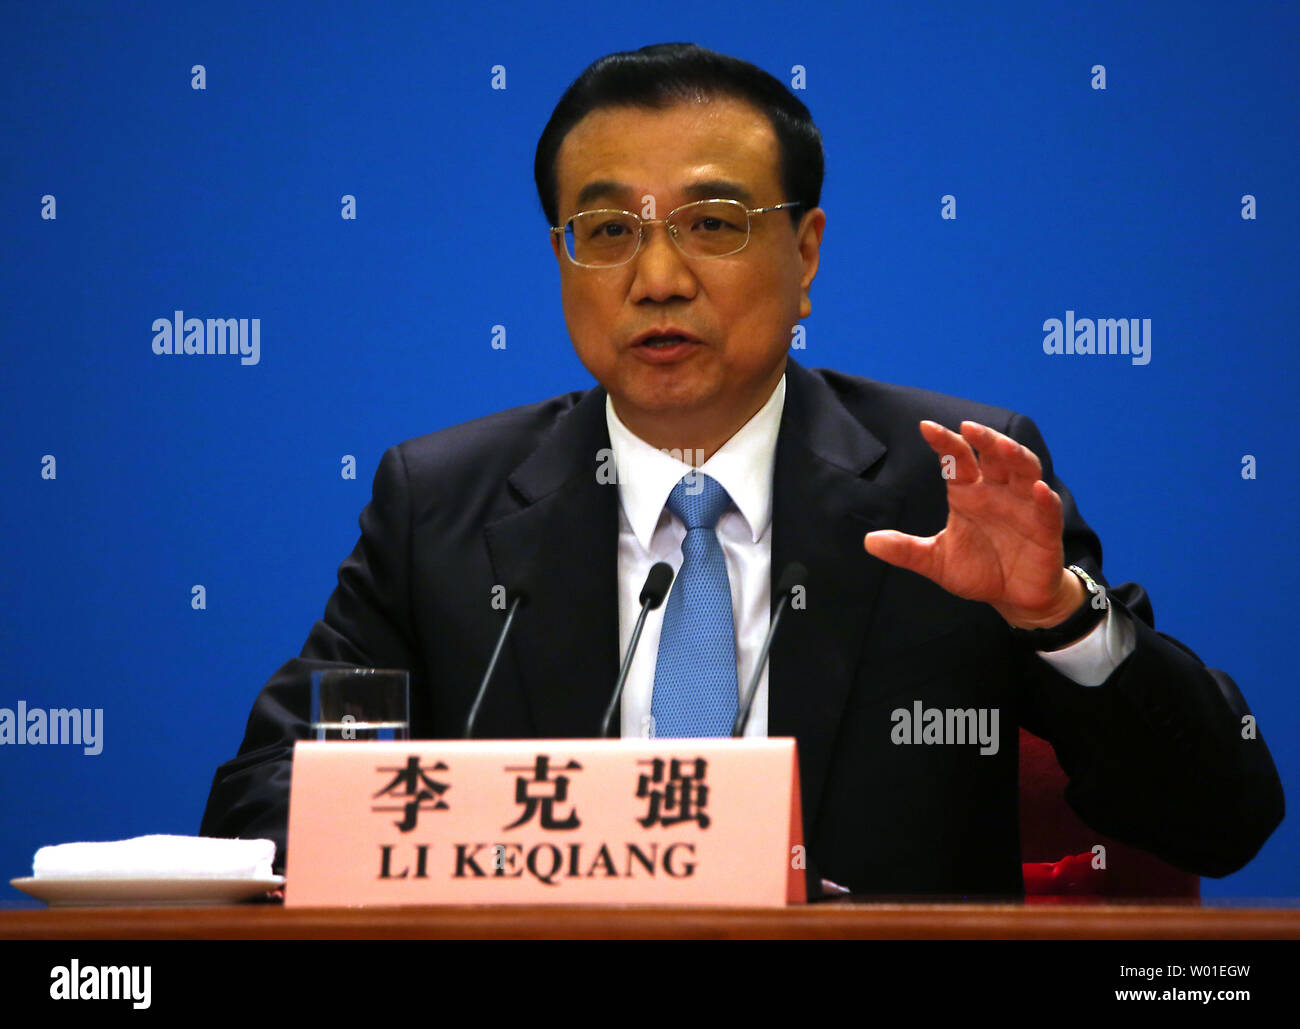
column 711, row 228
column 602, row 237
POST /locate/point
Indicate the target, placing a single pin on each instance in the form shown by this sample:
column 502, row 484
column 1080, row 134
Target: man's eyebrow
column 708, row 189
column 722, row 189
column 602, row 188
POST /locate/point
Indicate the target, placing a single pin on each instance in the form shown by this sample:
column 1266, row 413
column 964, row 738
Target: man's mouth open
column 664, row 347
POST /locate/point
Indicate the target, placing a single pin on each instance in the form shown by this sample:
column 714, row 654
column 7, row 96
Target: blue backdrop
column 1111, row 160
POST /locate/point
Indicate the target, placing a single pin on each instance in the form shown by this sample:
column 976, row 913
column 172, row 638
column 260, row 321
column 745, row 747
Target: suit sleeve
column 1161, row 755
column 366, row 624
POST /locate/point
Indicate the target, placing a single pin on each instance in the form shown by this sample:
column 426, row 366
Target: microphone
column 515, row 604
column 652, row 595
column 793, row 576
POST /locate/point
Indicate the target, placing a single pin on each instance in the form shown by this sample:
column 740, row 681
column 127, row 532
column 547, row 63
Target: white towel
column 157, row 857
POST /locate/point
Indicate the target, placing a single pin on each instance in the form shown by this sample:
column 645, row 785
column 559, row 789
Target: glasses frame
column 672, row 231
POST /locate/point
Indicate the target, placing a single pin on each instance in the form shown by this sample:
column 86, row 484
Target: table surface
column 838, row 920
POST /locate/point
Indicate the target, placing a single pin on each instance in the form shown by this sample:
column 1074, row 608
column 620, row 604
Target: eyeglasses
column 705, row 228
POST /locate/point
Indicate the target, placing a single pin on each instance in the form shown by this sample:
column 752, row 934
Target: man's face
column 737, row 310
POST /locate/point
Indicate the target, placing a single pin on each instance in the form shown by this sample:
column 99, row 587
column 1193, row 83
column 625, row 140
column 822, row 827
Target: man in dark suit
column 948, row 570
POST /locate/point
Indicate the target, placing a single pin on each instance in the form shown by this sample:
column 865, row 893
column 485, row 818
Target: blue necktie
column 695, row 675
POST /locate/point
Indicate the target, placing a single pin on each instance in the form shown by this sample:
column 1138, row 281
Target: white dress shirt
column 743, row 466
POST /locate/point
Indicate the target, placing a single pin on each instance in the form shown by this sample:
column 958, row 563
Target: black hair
column 664, row 74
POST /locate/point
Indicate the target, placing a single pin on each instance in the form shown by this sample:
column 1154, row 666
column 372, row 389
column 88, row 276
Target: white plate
column 123, row 892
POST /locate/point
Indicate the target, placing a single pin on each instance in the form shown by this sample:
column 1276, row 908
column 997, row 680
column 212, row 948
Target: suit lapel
column 821, row 507
column 562, row 546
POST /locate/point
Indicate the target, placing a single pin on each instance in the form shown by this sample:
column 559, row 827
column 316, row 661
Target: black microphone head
column 656, row 584
column 794, row 574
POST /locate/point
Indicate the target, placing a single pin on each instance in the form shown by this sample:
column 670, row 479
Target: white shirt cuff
column 1093, row 659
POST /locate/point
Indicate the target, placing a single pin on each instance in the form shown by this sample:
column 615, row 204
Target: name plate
column 678, row 822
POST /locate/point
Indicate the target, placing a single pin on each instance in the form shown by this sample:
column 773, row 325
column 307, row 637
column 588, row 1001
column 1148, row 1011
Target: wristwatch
column 1078, row 625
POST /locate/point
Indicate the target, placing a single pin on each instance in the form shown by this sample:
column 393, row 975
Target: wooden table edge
column 827, row 921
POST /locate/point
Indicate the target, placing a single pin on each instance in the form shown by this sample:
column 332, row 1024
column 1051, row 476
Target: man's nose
column 662, row 271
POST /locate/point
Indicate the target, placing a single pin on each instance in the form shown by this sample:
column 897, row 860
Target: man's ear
column 809, row 241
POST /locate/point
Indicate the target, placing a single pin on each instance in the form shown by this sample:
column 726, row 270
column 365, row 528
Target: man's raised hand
column 1002, row 544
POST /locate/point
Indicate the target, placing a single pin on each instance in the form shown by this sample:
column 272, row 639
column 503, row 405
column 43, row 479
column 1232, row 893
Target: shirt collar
column 742, row 466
